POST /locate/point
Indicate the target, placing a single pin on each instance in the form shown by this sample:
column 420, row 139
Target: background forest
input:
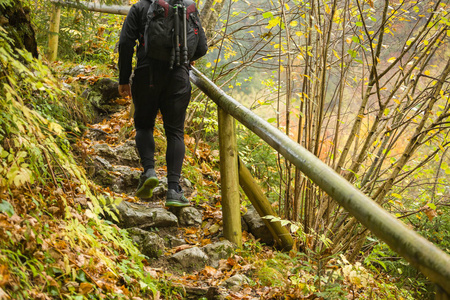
column 363, row 85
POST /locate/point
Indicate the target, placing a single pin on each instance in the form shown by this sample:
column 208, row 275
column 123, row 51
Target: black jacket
column 133, row 30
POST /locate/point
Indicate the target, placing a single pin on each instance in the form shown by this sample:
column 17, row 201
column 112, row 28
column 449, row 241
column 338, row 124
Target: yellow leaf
column 274, row 22
column 427, row 72
column 55, row 128
column 336, row 54
column 318, row 29
column 293, row 23
column 391, row 60
column 397, row 196
column 21, row 176
column 287, row 6
column 298, row 33
column 208, row 65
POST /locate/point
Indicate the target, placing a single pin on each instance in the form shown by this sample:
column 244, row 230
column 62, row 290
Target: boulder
column 149, row 243
column 218, row 251
column 190, row 216
column 161, row 190
column 190, row 259
column 126, row 154
column 257, row 227
column 102, row 163
column 236, row 282
column 142, row 216
column 171, row 241
column 102, row 95
column 77, row 70
column 127, row 181
column 104, row 178
column 108, row 88
column 105, row 151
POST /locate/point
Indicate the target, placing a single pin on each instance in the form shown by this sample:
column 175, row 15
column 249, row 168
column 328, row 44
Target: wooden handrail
column 108, row 9
column 418, row 251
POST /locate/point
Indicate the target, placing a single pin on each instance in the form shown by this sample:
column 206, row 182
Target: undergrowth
column 50, row 245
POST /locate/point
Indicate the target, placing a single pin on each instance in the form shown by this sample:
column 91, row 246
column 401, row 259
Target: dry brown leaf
column 431, row 214
column 192, row 230
column 85, row 288
column 181, row 247
column 4, row 275
column 208, row 271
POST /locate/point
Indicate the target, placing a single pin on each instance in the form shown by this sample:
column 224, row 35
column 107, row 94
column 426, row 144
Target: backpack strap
column 190, row 7
column 165, row 5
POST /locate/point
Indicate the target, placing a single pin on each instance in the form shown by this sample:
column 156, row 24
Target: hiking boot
column 176, row 199
column 147, row 182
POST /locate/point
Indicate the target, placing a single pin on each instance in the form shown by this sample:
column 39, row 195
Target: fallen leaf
column 181, row 247
column 208, row 271
column 4, row 275
column 85, row 288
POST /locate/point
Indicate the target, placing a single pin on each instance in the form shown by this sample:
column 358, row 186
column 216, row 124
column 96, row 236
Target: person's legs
column 145, row 100
column 173, row 105
column 145, row 145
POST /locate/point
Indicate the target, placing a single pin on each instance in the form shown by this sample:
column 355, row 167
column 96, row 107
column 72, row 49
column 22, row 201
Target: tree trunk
column 15, row 18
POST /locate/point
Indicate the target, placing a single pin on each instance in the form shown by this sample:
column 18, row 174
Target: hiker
column 157, row 85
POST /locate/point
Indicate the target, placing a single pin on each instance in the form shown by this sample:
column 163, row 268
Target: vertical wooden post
column 229, row 178
column 53, row 33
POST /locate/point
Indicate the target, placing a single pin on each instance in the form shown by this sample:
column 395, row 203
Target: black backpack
column 171, row 31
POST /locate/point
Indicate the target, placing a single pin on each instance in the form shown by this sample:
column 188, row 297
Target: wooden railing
column 419, row 252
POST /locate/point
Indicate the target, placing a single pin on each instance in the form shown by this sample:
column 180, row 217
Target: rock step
column 156, row 233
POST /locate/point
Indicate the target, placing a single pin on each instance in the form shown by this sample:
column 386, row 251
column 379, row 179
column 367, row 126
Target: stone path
column 173, row 239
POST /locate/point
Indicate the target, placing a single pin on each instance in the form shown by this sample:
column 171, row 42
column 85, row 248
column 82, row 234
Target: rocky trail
column 186, row 243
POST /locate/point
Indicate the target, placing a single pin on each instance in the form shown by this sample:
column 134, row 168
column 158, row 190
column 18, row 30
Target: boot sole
column 176, row 204
column 146, row 190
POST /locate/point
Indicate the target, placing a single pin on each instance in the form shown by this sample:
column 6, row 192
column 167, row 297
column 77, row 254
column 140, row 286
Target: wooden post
column 263, row 207
column 441, row 294
column 54, row 33
column 229, row 178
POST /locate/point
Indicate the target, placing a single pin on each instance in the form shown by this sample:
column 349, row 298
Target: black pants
column 158, row 88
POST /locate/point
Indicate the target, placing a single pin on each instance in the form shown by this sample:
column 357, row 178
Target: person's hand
column 124, row 90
